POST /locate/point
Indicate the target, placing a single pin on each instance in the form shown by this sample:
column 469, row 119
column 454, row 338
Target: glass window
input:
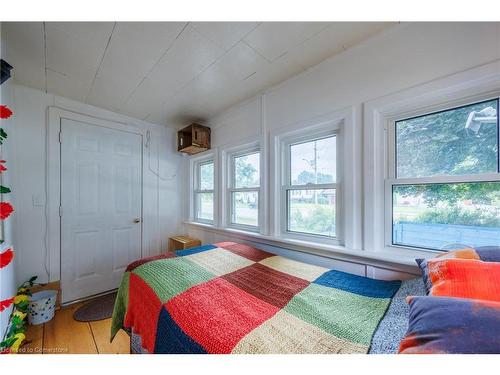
column 312, row 210
column 313, row 162
column 453, row 200
column 244, row 189
column 207, row 176
column 458, row 141
column 204, row 192
column 245, row 208
column 247, row 170
column 205, row 206
column 439, row 216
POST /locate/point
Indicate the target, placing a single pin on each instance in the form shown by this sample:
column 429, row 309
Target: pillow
column 484, row 253
column 423, row 265
column 465, row 278
column 452, row 325
column 488, row 253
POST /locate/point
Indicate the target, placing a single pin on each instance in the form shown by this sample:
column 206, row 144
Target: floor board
column 34, row 340
column 101, row 330
column 64, row 335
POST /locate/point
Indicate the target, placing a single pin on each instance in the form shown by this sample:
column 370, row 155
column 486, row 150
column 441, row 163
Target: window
column 204, row 191
column 444, row 180
column 244, row 189
column 309, row 189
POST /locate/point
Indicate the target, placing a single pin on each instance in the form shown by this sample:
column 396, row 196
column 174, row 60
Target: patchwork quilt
column 233, row 298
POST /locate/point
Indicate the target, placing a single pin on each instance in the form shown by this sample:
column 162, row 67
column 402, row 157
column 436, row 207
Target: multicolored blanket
column 233, row 298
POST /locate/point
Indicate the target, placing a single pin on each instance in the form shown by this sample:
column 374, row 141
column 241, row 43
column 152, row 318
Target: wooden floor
column 64, row 335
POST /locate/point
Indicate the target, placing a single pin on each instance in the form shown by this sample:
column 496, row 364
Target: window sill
column 405, row 263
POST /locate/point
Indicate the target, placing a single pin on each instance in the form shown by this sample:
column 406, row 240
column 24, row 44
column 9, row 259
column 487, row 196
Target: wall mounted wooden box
column 193, row 139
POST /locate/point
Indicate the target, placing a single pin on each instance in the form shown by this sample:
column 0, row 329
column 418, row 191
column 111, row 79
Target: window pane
column 207, row 176
column 314, row 162
column 205, row 206
column 454, row 142
column 446, row 216
column 245, row 208
column 247, row 171
column 312, row 211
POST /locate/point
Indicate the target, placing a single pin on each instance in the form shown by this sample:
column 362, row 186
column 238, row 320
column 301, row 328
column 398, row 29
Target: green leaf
column 8, row 342
column 3, row 134
column 22, row 306
column 16, row 320
column 4, row 190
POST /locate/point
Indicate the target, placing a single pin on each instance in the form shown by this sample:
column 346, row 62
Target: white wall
column 397, row 59
column 401, row 57
column 162, row 206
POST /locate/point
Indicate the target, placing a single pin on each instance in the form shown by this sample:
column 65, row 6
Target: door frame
column 53, row 179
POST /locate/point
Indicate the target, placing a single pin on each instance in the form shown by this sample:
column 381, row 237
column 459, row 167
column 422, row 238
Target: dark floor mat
column 97, row 309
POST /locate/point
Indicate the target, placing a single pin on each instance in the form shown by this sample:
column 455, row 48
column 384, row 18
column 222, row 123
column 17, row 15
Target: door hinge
column 60, row 211
column 60, row 136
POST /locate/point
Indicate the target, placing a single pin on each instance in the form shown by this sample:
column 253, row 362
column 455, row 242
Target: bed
column 233, row 298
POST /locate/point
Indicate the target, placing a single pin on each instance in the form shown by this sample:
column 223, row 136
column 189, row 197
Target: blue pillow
column 488, row 253
column 452, row 325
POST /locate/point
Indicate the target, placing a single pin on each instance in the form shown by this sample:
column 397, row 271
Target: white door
column 100, row 207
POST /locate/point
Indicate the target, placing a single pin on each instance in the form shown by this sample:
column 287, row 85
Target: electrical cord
column 157, row 174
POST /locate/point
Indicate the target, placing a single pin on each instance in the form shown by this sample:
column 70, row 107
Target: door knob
column 137, row 220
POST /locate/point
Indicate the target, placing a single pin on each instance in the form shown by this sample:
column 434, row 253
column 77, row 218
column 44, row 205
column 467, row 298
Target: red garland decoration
column 5, row 210
column 6, row 257
column 6, row 303
column 5, row 112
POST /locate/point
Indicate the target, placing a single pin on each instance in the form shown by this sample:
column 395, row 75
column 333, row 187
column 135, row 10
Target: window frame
column 231, row 189
column 304, row 136
column 391, row 180
column 196, row 188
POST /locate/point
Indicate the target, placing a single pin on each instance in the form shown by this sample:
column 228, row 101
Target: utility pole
column 314, row 164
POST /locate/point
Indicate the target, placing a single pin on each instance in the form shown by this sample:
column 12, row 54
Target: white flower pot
column 42, row 306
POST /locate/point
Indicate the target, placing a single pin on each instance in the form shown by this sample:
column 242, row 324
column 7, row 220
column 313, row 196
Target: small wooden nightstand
column 182, row 242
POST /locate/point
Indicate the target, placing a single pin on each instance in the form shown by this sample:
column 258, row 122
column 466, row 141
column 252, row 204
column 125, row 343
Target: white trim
column 53, row 182
column 485, row 177
column 194, row 162
column 228, row 187
column 380, row 259
column 265, row 223
column 227, row 152
column 391, row 180
column 473, row 85
column 341, row 124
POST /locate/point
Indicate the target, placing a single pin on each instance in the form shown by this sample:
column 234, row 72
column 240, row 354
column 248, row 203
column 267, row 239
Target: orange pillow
column 466, row 253
column 465, row 278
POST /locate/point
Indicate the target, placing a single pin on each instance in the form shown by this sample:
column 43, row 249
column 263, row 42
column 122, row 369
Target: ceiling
column 170, row 72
